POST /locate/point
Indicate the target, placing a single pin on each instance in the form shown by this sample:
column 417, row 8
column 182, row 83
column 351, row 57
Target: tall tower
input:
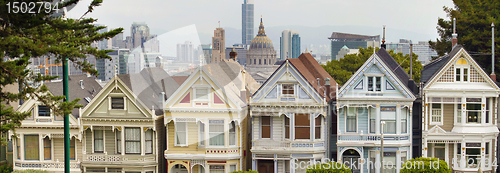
column 247, row 22
column 218, row 46
column 289, row 44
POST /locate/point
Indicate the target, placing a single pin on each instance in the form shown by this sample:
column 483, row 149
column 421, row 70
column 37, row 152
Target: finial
column 116, row 70
column 383, row 38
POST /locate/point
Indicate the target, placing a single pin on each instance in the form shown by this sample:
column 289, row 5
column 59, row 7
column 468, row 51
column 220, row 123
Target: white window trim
column 51, row 115
column 430, row 115
column 356, row 115
column 103, row 140
column 321, row 127
column 461, row 67
column 175, row 135
column 225, row 130
column 200, row 134
column 382, row 85
column 235, row 134
column 196, row 87
column 288, row 95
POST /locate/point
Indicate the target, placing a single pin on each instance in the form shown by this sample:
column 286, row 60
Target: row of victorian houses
column 219, row 119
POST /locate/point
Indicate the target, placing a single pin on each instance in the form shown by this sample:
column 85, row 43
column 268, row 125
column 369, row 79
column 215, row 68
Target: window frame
column 217, row 133
column 94, row 132
column 287, row 126
column 47, row 141
column 72, row 145
column 135, row 141
column 318, row 127
column 405, row 118
column 302, row 126
column 177, row 130
column 464, row 73
column 389, row 120
column 262, row 126
column 235, row 137
column 479, row 112
column 118, row 138
column 292, row 89
column 355, row 119
column 374, row 82
column 146, row 140
column 432, row 116
column 114, row 105
column 35, row 148
column 44, row 114
column 201, row 134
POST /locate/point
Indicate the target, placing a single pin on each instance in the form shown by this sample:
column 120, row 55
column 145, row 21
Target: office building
column 247, row 9
column 218, row 46
column 339, row 40
column 424, row 52
column 185, row 52
column 207, row 53
column 120, row 58
column 140, row 37
column 289, row 44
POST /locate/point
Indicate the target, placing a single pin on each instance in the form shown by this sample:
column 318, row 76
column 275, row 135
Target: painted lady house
column 289, row 116
column 459, row 110
column 378, row 92
column 39, row 142
column 206, row 120
column 119, row 126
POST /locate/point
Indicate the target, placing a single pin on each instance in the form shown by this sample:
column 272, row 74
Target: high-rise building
column 247, row 22
column 140, row 37
column 339, row 40
column 120, row 58
column 424, row 52
column 218, row 46
column 185, row 52
column 117, row 41
column 289, row 44
column 103, row 44
column 402, row 47
column 207, row 53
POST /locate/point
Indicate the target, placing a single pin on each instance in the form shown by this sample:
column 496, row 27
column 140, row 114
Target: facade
column 39, row 142
column 185, row 52
column 206, row 120
column 377, row 92
column 140, row 38
column 345, row 51
column 424, row 52
column 218, row 46
column 338, row 40
column 459, row 113
column 119, row 126
column 289, row 44
column 207, row 52
column 121, row 58
column 289, row 116
column 247, row 22
column 261, row 56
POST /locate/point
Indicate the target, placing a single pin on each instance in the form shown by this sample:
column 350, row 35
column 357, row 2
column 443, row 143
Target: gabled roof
column 430, row 70
column 394, row 66
column 310, row 69
column 90, row 89
column 148, row 84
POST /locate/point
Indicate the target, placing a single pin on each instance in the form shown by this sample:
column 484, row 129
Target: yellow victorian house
column 206, row 120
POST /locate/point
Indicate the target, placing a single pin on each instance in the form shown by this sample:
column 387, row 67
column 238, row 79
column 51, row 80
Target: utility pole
column 66, row 116
column 493, row 50
column 382, row 123
column 411, row 60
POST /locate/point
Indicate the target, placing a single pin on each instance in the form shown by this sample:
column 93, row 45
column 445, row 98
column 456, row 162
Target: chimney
column 233, row 54
column 327, row 86
column 493, row 74
column 81, row 84
column 454, row 40
column 383, row 40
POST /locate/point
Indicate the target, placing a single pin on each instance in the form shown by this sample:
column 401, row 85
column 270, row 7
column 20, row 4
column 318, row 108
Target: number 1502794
column 31, row 7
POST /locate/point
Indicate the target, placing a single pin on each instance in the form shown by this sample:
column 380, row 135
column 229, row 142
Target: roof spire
column 383, row 39
column 261, row 28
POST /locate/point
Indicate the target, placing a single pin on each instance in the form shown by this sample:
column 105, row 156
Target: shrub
column 30, row 171
column 425, row 164
column 329, row 167
column 6, row 168
column 249, row 171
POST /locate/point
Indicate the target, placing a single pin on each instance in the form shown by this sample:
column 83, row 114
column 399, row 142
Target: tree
column 24, row 35
column 473, row 26
column 425, row 164
column 341, row 70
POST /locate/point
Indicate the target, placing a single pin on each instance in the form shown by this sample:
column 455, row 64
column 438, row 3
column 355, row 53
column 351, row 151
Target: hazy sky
column 166, row 15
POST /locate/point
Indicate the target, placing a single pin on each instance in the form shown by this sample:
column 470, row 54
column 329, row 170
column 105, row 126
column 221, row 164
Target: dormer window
column 117, row 103
column 43, row 111
column 374, row 83
column 288, row 89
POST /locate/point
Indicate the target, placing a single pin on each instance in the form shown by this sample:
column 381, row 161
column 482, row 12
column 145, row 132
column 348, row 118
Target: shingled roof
column 310, row 69
column 394, row 66
column 431, row 69
column 148, row 84
column 89, row 88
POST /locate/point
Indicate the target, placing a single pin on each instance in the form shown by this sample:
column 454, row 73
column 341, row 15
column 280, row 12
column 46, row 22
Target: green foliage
column 249, row 171
column 329, row 167
column 30, row 171
column 6, row 168
column 29, row 35
column 473, row 26
column 341, row 70
column 425, row 164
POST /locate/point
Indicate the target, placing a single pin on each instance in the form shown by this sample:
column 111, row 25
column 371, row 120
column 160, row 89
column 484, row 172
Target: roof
column 394, row 66
column 148, row 84
column 432, row 68
column 227, row 75
column 261, row 41
column 344, row 47
column 90, row 89
column 339, row 35
column 179, row 79
column 310, row 69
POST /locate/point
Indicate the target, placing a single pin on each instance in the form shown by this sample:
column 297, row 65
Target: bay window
column 46, row 148
column 459, row 112
column 373, row 116
column 118, row 141
column 181, row 133
column 72, row 151
column 287, row 127
column 351, row 120
column 31, row 147
column 436, row 113
column 202, row 134
column 472, row 154
column 317, row 127
column 302, row 126
column 132, row 140
column 388, row 114
column 216, row 132
column 148, row 143
column 473, row 108
column 404, row 117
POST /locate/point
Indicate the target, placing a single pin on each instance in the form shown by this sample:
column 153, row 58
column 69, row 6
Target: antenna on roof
column 454, row 40
column 493, row 75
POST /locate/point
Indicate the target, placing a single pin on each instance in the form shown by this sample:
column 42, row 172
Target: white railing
column 118, row 158
column 46, row 164
column 372, row 137
column 286, row 145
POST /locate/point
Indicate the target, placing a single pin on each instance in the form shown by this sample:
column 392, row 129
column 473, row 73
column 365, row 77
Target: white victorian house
column 289, row 116
column 459, row 112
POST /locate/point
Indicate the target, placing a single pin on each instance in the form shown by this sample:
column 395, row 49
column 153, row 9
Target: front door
column 265, row 166
column 351, row 158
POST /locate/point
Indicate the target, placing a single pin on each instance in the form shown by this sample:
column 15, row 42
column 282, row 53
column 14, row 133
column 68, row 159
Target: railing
column 46, row 164
column 287, row 145
column 372, row 137
column 222, row 151
column 119, row 158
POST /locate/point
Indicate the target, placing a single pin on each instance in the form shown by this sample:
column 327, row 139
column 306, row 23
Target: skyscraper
column 185, row 52
column 339, row 40
column 289, row 44
column 140, row 37
column 218, row 46
column 247, row 22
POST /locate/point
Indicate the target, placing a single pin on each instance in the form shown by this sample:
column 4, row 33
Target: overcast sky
column 166, row 15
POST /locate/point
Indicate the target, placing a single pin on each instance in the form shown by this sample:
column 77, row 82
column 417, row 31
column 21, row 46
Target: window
column 317, row 127
column 265, row 62
column 374, row 80
column 217, row 169
column 287, row 127
column 118, row 141
column 436, row 115
column 403, row 157
column 404, row 116
column 388, row 114
column 232, row 168
column 351, row 120
column 202, row 134
column 287, row 89
column 373, row 116
column 487, row 114
column 473, row 108
column 439, row 151
column 359, row 86
column 31, row 147
column 18, row 148
column 132, row 140
column 98, row 141
column 266, row 127
column 43, row 111
column 232, row 133
column 459, row 113
column 181, row 133
column 117, row 103
column 72, row 151
column 461, row 74
column 389, row 162
column 472, row 154
column 260, row 61
column 148, row 142
column 254, row 61
column 216, row 132
column 302, row 126
column 46, row 148
column 202, row 94
column 370, row 83
column 388, row 85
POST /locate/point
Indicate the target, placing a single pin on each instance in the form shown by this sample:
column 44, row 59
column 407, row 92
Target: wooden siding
column 88, row 141
column 79, row 149
column 363, row 120
column 448, row 114
column 192, row 138
column 341, row 123
column 58, row 149
column 277, row 133
column 110, row 142
column 450, row 154
column 256, row 129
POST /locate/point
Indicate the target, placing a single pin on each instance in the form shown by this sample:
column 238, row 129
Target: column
column 483, row 112
column 40, row 149
column 447, row 153
column 398, row 160
column 424, row 146
column 464, row 113
column 275, row 163
column 377, row 120
column 21, row 146
column 463, row 162
column 398, row 119
column 483, row 156
column 142, row 140
column 378, row 164
column 122, row 140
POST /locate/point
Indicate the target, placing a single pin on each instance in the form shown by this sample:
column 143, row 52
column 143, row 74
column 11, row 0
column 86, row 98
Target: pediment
column 436, row 130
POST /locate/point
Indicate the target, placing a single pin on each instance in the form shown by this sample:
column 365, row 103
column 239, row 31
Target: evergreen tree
column 25, row 35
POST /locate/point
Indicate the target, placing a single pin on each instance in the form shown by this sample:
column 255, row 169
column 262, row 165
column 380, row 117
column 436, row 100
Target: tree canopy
column 25, row 35
column 341, row 70
column 473, row 26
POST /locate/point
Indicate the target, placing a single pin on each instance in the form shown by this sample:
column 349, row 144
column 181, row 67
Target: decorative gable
column 437, row 130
